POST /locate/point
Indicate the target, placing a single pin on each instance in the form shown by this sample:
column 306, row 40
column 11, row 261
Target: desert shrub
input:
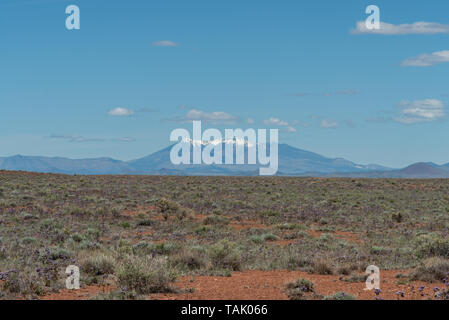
column 264, row 237
column 89, row 245
column 443, row 295
column 297, row 290
column 431, row 270
column 378, row 250
column 11, row 281
column 189, row 259
column 431, row 245
column 144, row 223
column 225, row 255
column 201, row 230
column 97, row 264
column 94, row 233
column 269, row 237
column 77, row 211
column 397, row 217
column 77, row 237
column 290, row 226
column 163, row 248
column 340, row 296
column 256, row 238
column 48, row 225
column 322, row 266
column 55, row 253
column 3, row 253
column 28, row 240
column 298, row 262
column 215, row 220
column 145, row 275
column 344, row 270
column 125, row 225
column 167, row 207
column 27, row 216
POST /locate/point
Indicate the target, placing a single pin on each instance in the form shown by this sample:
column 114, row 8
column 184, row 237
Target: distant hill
column 64, row 165
column 425, row 170
column 292, row 162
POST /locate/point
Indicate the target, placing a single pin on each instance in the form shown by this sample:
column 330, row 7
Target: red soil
column 270, row 285
column 247, row 224
column 266, row 285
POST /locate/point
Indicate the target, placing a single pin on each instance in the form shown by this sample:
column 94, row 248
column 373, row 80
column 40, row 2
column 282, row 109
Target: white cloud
column 328, row 123
column 75, row 138
column 276, row 122
column 420, row 111
column 250, row 121
column 217, row 117
column 286, row 126
column 78, row 138
column 121, row 112
column 124, row 139
column 402, row 29
column 165, row 43
column 427, row 60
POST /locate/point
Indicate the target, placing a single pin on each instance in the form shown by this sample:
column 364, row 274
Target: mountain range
column 292, row 162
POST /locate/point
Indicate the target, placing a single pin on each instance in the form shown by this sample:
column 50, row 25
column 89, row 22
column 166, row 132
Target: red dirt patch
column 348, row 236
column 247, row 224
column 270, row 285
column 283, row 243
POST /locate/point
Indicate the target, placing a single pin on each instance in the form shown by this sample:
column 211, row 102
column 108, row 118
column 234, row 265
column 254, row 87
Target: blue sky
column 138, row 69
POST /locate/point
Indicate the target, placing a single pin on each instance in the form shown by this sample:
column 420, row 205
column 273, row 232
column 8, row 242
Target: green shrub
column 98, row 264
column 397, row 217
column 215, row 220
column 145, row 223
column 322, row 266
column 298, row 262
column 55, row 253
column 28, row 240
column 167, row 207
column 189, row 259
column 145, row 275
column 431, row 270
column 431, row 245
column 269, row 237
column 163, row 248
column 225, row 255
column 77, row 237
column 89, row 245
column 297, row 290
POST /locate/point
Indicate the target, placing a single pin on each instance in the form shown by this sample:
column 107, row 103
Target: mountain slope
column 292, row 162
column 425, row 170
column 64, row 165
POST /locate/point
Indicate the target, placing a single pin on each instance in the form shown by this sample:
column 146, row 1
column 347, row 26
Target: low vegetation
column 140, row 233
